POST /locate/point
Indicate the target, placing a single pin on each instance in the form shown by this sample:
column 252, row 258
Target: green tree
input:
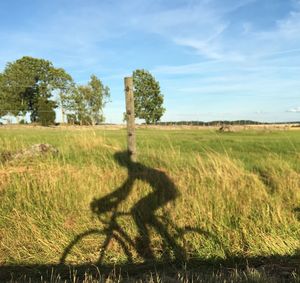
column 88, row 101
column 148, row 98
column 45, row 112
column 66, row 86
column 28, row 81
column 97, row 98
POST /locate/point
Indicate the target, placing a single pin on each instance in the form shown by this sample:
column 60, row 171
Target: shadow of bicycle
column 143, row 213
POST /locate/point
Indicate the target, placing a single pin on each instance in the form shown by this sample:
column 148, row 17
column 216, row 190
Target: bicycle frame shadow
column 143, row 212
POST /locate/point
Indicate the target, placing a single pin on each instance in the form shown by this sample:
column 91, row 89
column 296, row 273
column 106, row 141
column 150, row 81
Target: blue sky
column 214, row 59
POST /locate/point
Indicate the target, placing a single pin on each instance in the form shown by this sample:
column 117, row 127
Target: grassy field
column 195, row 197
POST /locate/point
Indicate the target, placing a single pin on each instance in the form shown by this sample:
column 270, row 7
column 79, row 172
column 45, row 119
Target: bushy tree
column 88, row 101
column 28, row 82
column 148, row 99
column 45, row 112
column 66, row 87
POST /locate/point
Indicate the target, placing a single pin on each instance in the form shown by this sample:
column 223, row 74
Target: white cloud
column 206, row 47
column 183, row 69
column 207, row 28
column 200, row 25
column 70, row 36
column 294, row 110
column 197, row 25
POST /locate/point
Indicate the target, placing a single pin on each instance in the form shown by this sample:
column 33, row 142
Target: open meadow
column 194, row 198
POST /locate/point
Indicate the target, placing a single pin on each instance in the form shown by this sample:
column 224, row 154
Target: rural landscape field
column 150, row 141
column 229, row 202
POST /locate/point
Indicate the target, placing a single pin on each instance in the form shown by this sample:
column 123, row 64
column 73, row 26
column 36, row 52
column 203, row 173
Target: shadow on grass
column 273, row 269
column 143, row 215
column 173, row 256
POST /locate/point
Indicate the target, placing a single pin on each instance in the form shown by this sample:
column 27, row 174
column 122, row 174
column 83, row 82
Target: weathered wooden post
column 130, row 118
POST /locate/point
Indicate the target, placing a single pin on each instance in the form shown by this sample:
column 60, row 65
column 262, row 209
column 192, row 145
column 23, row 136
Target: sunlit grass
column 240, row 190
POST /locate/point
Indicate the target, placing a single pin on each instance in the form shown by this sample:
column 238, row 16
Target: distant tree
column 148, row 99
column 29, row 82
column 65, row 86
column 45, row 112
column 88, row 101
column 72, row 119
column 98, row 97
column 2, row 99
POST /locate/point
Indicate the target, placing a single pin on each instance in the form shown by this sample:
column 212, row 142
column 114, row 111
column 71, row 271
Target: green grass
column 240, row 192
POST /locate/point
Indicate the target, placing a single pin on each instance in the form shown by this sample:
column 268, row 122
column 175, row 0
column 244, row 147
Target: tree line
column 212, row 123
column 35, row 86
column 221, row 123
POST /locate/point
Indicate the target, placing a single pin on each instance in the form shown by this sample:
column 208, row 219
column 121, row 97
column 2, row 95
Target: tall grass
column 239, row 192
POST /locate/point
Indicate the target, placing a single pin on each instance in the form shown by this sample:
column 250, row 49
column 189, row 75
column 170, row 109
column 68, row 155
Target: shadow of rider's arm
column 112, row 200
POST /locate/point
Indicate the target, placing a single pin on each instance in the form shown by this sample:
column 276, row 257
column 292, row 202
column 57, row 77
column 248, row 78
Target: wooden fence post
column 130, row 118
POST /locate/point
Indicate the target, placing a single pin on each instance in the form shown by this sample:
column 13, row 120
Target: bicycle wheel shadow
column 143, row 212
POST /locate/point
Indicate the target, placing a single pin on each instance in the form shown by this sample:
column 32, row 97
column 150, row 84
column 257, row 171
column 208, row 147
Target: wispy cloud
column 213, row 34
column 72, row 36
column 294, row 110
column 196, row 49
column 198, row 26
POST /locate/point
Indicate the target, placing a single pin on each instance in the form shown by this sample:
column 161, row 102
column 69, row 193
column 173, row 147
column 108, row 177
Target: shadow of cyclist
column 143, row 212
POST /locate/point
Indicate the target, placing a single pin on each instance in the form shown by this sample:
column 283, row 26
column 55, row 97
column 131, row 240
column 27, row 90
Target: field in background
column 238, row 192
